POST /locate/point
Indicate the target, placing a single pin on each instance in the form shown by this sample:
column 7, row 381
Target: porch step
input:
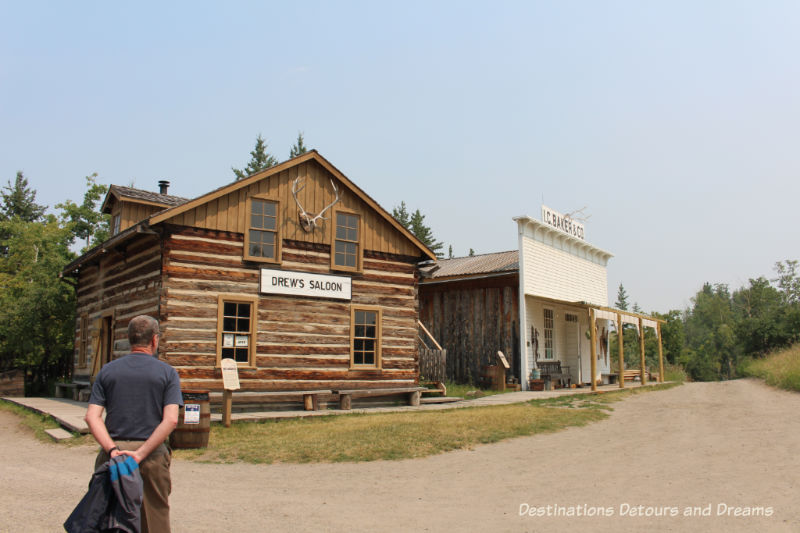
column 58, row 434
column 441, row 399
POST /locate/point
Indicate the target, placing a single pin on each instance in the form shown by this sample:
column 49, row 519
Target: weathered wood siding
column 133, row 213
column 302, row 343
column 228, row 212
column 123, row 284
column 472, row 320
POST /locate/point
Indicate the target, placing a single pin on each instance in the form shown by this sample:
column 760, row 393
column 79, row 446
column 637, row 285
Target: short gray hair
column 141, row 329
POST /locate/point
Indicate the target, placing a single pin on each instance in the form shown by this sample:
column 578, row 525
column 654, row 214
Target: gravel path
column 719, row 449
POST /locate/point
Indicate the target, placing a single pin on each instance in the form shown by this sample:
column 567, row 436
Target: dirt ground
column 711, row 450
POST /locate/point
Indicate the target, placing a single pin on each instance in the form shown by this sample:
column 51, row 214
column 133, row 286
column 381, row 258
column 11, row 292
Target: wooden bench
column 634, row 374
column 310, row 397
column 346, row 396
column 75, row 389
column 552, row 370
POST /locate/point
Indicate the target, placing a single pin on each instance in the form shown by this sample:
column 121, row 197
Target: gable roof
column 308, row 156
column 175, row 205
column 140, row 196
column 478, row 265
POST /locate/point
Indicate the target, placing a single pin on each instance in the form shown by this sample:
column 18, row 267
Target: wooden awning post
column 660, row 355
column 621, row 352
column 227, row 407
column 643, row 368
column 593, row 348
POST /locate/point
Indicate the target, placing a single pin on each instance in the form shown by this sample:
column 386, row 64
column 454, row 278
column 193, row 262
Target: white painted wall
column 562, row 274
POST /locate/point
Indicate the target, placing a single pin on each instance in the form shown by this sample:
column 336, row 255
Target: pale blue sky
column 676, row 123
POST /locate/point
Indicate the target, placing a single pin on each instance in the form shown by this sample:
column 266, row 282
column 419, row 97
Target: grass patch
column 37, row 423
column 780, row 369
column 460, row 391
column 598, row 400
column 367, row 437
column 675, row 373
column 391, row 436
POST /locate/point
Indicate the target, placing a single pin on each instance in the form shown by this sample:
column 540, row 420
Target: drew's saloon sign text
column 561, row 222
column 291, row 283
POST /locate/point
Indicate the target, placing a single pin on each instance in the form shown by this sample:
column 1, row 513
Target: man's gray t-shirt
column 134, row 390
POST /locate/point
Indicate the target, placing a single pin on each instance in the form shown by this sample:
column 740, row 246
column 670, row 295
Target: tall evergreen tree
column 400, row 212
column 20, row 201
column 471, row 252
column 450, row 252
column 424, row 233
column 259, row 160
column 622, row 299
column 299, row 148
column 415, row 223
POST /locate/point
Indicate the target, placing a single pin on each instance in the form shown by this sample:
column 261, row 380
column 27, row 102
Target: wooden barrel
column 192, row 432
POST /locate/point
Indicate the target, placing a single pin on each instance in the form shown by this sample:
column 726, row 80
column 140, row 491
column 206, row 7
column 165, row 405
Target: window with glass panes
column 548, row 334
column 263, row 231
column 365, row 337
column 346, row 243
column 236, row 331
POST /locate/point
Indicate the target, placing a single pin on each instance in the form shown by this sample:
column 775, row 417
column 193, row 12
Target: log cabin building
column 471, row 307
column 293, row 272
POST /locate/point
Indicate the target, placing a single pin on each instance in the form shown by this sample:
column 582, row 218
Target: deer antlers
column 308, row 221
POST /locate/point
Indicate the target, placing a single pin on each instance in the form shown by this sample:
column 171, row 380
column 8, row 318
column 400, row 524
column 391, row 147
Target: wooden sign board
column 230, row 374
column 503, row 360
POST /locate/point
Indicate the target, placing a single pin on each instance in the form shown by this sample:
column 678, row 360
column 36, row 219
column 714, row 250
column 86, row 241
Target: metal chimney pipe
column 163, row 185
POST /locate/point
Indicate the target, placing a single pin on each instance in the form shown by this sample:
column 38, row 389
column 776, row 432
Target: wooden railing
column 432, row 357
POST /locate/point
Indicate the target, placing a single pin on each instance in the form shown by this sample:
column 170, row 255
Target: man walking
column 141, row 396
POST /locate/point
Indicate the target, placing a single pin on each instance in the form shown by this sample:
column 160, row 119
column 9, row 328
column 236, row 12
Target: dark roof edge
column 137, row 229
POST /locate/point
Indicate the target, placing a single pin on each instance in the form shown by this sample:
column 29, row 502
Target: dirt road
column 717, row 451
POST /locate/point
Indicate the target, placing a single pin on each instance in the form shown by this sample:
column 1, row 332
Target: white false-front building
column 562, row 286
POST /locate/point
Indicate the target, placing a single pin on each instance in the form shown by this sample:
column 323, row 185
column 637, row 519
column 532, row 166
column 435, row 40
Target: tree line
column 37, row 308
column 721, row 328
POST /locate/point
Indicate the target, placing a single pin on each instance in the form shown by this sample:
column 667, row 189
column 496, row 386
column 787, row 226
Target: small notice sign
column 501, row 356
column 230, row 374
column 191, row 413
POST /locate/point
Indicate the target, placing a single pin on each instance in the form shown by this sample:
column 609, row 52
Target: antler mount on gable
column 308, row 221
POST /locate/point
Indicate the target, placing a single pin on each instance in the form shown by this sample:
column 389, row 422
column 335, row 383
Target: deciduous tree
column 37, row 309
column 85, row 221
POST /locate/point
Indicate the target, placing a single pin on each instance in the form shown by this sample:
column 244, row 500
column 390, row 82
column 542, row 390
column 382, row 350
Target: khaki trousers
column 156, row 481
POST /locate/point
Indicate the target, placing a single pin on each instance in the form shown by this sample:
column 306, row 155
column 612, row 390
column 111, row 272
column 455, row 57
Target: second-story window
column 261, row 239
column 346, row 242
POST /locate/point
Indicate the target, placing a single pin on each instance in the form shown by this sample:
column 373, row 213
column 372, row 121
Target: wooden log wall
column 302, row 343
column 124, row 283
column 472, row 320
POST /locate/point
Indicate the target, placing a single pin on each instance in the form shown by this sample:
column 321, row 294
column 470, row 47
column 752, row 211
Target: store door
column 572, row 347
